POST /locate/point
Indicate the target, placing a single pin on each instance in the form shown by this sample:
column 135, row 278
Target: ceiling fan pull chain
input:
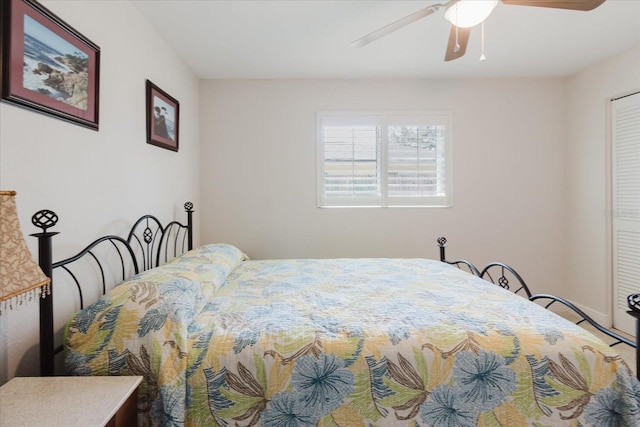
column 482, row 56
column 456, row 48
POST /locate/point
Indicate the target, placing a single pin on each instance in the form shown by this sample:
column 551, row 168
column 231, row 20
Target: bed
column 220, row 339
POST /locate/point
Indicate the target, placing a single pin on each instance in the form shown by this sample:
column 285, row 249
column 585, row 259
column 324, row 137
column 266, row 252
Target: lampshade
column 20, row 276
column 469, row 13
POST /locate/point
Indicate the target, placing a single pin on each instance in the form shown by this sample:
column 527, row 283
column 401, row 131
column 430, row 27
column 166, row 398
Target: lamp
column 20, row 276
column 469, row 13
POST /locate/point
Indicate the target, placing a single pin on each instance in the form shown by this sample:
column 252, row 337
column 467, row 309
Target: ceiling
column 303, row 39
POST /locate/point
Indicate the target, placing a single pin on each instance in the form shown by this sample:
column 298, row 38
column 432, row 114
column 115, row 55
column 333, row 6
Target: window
column 384, row 159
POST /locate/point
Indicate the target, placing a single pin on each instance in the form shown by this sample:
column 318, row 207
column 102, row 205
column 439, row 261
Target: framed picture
column 47, row 66
column 163, row 114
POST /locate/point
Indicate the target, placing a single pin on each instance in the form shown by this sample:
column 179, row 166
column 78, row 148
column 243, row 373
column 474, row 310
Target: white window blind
column 383, row 159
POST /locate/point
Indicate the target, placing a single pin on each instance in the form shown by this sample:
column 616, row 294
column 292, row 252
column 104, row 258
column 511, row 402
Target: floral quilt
column 224, row 341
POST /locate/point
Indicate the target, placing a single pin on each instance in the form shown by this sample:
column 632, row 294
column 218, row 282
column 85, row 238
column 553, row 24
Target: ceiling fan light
column 469, row 13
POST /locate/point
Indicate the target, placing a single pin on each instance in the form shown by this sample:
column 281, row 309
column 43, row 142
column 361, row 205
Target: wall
column 98, row 182
column 588, row 263
column 259, row 172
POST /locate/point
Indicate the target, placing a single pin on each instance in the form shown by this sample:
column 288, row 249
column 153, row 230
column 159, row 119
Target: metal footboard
column 504, row 275
column 461, row 263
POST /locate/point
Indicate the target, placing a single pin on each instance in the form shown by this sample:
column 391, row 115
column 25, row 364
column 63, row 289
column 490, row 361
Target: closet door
column 626, row 206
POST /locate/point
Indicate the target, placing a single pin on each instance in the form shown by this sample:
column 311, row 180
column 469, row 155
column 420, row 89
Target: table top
column 68, row 401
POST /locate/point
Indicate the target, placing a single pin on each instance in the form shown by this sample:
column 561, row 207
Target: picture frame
column 48, row 66
column 163, row 118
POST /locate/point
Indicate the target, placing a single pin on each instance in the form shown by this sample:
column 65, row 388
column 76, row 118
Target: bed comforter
column 221, row 340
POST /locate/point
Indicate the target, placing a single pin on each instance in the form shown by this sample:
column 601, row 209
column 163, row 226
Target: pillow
column 208, row 265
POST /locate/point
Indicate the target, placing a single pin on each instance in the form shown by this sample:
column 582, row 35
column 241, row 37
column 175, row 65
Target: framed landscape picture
column 47, row 66
column 163, row 114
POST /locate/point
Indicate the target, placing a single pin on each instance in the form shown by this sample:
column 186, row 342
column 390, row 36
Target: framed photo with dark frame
column 163, row 117
column 47, row 66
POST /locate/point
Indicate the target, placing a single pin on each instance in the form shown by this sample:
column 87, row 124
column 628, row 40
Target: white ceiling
column 310, row 39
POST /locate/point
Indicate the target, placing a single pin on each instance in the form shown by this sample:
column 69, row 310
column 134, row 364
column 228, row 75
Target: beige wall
column 259, row 172
column 97, row 182
column 587, row 201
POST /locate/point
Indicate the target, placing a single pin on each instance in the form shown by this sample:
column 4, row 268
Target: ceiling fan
column 465, row 14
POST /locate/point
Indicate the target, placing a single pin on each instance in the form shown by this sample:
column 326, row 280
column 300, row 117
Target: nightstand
column 69, row 401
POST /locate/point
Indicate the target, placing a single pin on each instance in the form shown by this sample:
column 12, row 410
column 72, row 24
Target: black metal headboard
column 109, row 260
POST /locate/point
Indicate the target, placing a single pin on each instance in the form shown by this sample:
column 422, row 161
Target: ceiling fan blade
column 584, row 5
column 396, row 25
column 462, row 39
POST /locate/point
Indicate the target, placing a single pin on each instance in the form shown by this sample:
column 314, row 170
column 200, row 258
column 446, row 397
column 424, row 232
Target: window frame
column 383, row 120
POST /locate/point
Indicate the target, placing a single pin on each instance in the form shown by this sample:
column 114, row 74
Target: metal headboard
column 112, row 258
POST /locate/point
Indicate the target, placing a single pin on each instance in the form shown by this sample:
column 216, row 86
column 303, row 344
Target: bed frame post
column 638, row 348
column 188, row 207
column 45, row 219
column 442, row 243
column 633, row 302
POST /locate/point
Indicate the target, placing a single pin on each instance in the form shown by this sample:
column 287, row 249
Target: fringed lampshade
column 21, row 279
